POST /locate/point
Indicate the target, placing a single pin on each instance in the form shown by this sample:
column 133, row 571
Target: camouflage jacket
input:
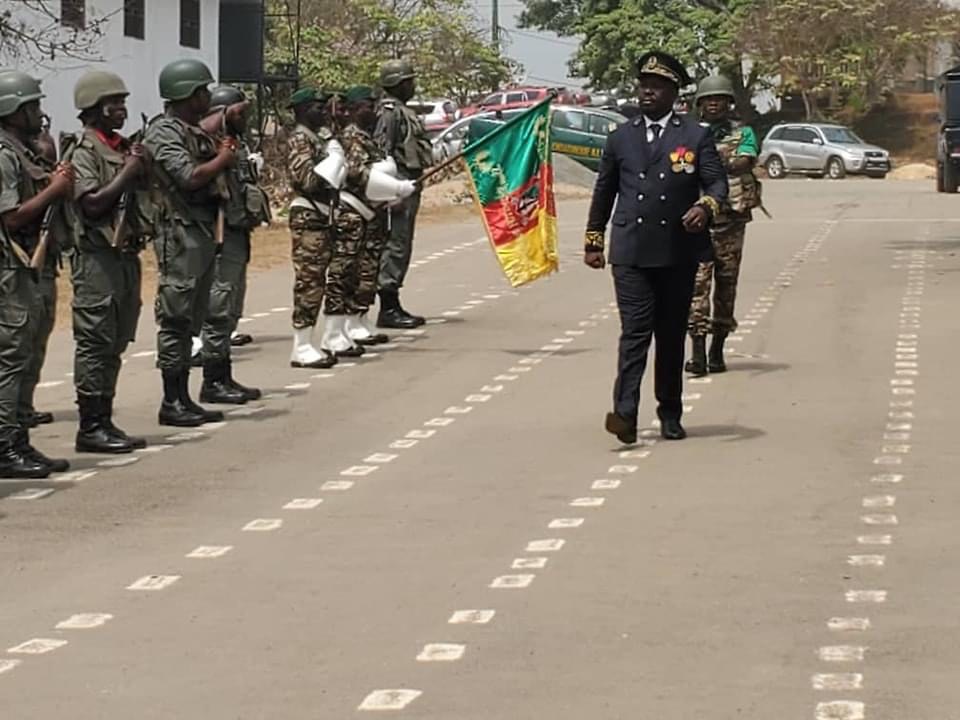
column 361, row 152
column 306, row 148
column 733, row 140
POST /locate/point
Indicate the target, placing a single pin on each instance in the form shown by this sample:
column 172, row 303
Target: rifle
column 39, row 257
column 127, row 198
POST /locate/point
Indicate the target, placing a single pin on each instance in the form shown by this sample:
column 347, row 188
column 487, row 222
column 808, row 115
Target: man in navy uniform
column 665, row 175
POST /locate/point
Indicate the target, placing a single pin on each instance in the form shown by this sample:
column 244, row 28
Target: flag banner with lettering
column 511, row 176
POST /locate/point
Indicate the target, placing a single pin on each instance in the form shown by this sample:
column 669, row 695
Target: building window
column 133, row 20
column 190, row 23
column 73, row 14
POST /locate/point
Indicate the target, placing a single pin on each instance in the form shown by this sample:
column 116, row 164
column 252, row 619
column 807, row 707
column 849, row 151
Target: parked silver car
column 820, row 149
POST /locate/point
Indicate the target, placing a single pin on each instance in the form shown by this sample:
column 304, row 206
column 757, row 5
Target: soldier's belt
column 316, row 206
column 356, row 204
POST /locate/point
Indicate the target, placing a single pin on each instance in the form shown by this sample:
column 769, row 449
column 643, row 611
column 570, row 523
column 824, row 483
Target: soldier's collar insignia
column 682, row 160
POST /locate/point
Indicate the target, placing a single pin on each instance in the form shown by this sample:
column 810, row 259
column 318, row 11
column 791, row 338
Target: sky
column 543, row 55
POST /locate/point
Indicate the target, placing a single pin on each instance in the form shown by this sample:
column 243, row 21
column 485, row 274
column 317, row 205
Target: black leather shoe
column 353, row 352
column 697, row 364
column 625, row 430
column 416, row 319
column 672, row 430
column 251, row 393
column 375, row 339
column 326, row 362
column 241, row 339
column 137, row 443
column 396, row 319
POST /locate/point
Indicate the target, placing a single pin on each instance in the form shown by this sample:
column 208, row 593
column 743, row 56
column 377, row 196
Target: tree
column 345, row 42
column 614, row 33
column 32, row 35
column 852, row 49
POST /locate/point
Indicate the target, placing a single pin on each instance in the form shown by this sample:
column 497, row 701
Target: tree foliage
column 344, row 42
column 614, row 33
column 848, row 49
column 31, row 35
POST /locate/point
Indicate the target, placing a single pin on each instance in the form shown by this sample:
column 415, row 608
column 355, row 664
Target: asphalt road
column 445, row 532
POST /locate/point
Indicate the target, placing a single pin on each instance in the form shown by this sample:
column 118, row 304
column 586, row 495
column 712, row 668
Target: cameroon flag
column 512, row 179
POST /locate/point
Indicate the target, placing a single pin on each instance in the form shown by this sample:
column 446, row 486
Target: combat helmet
column 713, row 86
column 225, row 95
column 96, row 85
column 394, row 72
column 181, row 78
column 16, row 90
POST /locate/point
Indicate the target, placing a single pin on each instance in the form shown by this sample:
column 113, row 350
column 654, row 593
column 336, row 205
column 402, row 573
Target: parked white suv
column 821, row 149
column 437, row 115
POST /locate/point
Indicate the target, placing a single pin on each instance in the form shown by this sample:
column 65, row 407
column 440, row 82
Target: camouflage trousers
column 364, row 286
column 725, row 270
column 348, row 236
column 312, row 251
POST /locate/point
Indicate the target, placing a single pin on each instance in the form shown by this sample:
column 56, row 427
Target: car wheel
column 836, row 170
column 950, row 179
column 775, row 169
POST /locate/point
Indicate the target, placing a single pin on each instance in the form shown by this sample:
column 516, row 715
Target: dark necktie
column 655, row 130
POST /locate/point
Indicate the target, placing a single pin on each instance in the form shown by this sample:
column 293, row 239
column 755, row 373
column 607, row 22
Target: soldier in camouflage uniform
column 28, row 194
column 738, row 148
column 105, row 264
column 311, row 213
column 401, row 135
column 364, row 157
column 190, row 191
column 246, row 209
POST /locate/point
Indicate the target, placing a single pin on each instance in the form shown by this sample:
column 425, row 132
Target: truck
column 948, row 138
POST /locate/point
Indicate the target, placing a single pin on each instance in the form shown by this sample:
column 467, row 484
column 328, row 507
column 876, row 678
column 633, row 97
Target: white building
column 139, row 38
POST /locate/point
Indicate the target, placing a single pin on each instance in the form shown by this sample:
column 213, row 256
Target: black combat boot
column 208, row 416
column 14, row 464
column 94, row 436
column 22, row 442
column 41, row 418
column 410, row 316
column 716, row 363
column 697, row 364
column 392, row 315
column 173, row 410
column 250, row 393
column 240, row 339
column 216, row 386
column 106, row 412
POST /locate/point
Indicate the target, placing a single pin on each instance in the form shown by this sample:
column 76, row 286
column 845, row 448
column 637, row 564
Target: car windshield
column 842, row 135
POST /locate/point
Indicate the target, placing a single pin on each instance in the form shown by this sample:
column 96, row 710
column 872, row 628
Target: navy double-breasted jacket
column 653, row 187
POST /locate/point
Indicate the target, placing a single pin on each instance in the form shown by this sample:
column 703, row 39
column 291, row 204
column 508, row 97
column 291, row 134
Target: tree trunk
column 808, row 105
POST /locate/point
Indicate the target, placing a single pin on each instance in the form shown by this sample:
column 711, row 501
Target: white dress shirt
column 662, row 122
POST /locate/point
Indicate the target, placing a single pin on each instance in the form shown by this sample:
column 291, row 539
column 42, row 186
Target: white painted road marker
column 154, row 582
column 396, row 699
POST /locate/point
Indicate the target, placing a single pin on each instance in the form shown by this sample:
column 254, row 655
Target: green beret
column 359, row 93
column 305, row 95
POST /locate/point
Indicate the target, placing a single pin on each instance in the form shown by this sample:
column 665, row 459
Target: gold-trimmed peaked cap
column 663, row 65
